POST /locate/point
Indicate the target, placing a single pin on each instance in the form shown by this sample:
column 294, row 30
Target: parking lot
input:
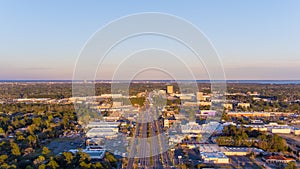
column 64, row 144
column 242, row 162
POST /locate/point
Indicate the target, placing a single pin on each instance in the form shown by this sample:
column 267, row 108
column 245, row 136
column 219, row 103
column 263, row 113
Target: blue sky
column 255, row 39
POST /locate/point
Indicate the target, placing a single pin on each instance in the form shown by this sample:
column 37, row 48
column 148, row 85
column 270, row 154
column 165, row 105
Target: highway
column 149, row 149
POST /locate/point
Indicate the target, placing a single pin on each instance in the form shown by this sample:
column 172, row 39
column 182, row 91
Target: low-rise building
column 257, row 127
column 96, row 154
column 212, row 126
column 101, row 132
column 204, row 103
column 277, row 159
column 169, row 121
column 191, row 127
column 249, row 114
column 104, row 125
column 240, row 151
column 195, row 128
column 189, row 103
column 257, row 122
column 114, row 116
column 208, row 113
column 199, row 96
column 175, row 139
column 117, row 104
column 209, row 148
column 281, row 130
column 296, row 131
column 214, row 157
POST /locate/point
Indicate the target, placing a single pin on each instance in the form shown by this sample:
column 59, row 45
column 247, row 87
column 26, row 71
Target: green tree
column 5, row 166
column 83, row 156
column 3, row 158
column 85, row 165
column 46, row 151
column 225, row 116
column 68, row 157
column 15, row 150
column 39, row 160
column 2, row 132
column 110, row 157
column 20, row 138
column 29, row 167
column 276, row 143
column 32, row 140
column 291, row 165
column 52, row 163
column 42, row 166
column 97, row 165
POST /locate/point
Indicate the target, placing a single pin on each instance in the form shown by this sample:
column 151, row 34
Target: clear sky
column 255, row 39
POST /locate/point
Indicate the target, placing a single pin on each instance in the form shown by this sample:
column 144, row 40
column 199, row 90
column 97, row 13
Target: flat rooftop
column 213, row 155
column 100, row 130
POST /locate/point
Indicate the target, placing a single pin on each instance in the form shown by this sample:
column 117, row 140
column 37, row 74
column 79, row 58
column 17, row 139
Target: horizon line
column 151, row 80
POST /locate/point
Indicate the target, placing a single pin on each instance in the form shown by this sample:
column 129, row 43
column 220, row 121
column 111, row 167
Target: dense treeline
column 64, row 90
column 240, row 136
column 281, row 92
column 26, row 129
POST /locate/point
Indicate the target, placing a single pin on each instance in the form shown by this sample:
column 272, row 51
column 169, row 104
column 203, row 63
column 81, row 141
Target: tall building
column 169, row 89
column 200, row 96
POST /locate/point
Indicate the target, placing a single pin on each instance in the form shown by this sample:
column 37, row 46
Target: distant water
column 266, row 81
column 162, row 81
column 34, row 81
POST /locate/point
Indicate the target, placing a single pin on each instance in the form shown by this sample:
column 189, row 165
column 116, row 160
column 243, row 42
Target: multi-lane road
column 149, row 148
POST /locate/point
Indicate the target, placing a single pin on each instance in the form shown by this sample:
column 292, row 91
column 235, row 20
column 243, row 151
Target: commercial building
column 170, row 89
column 175, row 139
column 200, row 97
column 205, row 103
column 185, row 97
column 208, row 148
column 249, row 114
column 214, row 157
column 190, row 104
column 104, row 125
column 257, row 127
column 257, row 122
column 195, row 128
column 117, row 104
column 281, row 130
column 210, row 153
column 101, row 132
column 212, row 126
column 191, row 127
column 111, row 95
column 96, row 154
column 273, row 128
column 239, row 151
column 208, row 113
column 169, row 121
column 296, row 131
column 279, row 159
